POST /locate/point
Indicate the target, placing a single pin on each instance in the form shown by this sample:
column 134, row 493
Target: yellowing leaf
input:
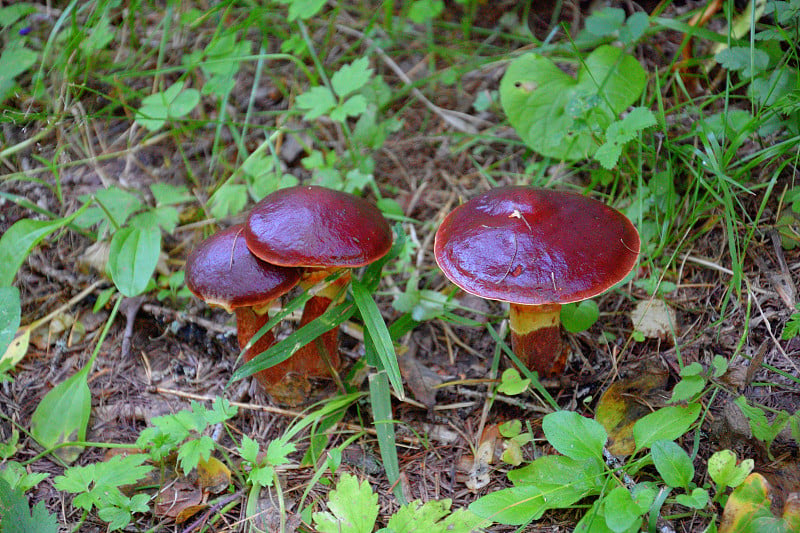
column 213, row 475
column 623, row 404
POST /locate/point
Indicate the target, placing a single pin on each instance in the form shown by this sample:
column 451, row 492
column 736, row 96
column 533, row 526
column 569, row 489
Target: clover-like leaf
column 563, row 117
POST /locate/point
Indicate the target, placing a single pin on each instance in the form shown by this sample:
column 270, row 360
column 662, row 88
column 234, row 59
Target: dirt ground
column 161, row 355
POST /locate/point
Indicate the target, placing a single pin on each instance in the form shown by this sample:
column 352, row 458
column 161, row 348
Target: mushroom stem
column 536, row 337
column 248, row 322
column 321, row 357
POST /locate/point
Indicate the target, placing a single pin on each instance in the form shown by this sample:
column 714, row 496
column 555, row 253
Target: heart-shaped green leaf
column 563, row 117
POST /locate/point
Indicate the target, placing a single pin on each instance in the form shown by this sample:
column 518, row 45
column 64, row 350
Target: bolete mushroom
column 222, row 272
column 536, row 249
column 324, row 231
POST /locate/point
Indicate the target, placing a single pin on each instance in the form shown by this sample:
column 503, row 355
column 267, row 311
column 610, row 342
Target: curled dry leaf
column 624, row 403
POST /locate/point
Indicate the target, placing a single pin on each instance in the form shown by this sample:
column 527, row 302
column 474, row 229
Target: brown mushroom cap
column 532, row 246
column 223, row 272
column 309, row 226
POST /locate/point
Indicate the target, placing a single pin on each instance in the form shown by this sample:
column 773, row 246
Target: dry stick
column 278, row 411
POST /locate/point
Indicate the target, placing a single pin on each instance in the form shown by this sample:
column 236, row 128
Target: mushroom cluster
column 536, row 249
column 299, row 234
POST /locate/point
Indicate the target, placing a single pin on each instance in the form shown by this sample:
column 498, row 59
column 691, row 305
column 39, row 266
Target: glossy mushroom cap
column 308, row 226
column 532, row 246
column 223, row 272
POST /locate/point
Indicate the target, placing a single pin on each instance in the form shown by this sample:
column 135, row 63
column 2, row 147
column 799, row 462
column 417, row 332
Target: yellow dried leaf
column 623, row 404
column 213, row 476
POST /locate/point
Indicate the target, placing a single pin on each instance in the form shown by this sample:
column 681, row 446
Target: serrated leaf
column 573, row 435
column 63, row 416
column 352, row 508
column 673, row 463
column 17, row 517
column 132, row 259
column 352, row 77
column 193, row 451
column 317, row 101
column 668, row 423
column 749, row 62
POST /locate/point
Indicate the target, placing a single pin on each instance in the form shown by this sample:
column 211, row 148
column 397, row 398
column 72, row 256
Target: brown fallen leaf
column 624, row 403
column 179, row 500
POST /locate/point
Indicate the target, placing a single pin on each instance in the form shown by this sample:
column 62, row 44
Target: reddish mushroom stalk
column 323, row 231
column 222, row 272
column 536, row 337
column 536, row 249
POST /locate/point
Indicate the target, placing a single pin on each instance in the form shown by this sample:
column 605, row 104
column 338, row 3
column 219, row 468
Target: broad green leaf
column 668, row 423
column 15, row 60
column 118, row 203
column 605, row 21
column 229, row 199
column 579, row 316
column 422, row 11
column 18, row 241
column 697, row 499
column 562, row 117
column 511, row 383
column 573, row 435
column 557, row 471
column 303, row 9
column 352, row 77
column 724, row 470
column 373, row 322
column 673, row 463
column 521, row 504
column 133, row 256
column 10, row 316
column 352, row 508
column 621, row 512
column 63, row 416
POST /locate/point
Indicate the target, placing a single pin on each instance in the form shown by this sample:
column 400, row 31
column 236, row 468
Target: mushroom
column 222, row 272
column 324, row 231
column 536, row 249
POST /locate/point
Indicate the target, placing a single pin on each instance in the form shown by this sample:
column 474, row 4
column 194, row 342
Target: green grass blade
column 381, row 402
column 288, row 346
column 376, row 327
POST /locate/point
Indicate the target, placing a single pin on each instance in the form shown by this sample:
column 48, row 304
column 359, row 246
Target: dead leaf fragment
column 179, row 500
column 654, row 318
column 213, row 476
column 624, row 403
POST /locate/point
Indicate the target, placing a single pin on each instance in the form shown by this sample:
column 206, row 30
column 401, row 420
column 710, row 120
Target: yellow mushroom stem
column 536, row 337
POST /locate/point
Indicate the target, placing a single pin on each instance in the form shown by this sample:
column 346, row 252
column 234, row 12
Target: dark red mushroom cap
column 223, row 272
column 310, row 226
column 533, row 246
